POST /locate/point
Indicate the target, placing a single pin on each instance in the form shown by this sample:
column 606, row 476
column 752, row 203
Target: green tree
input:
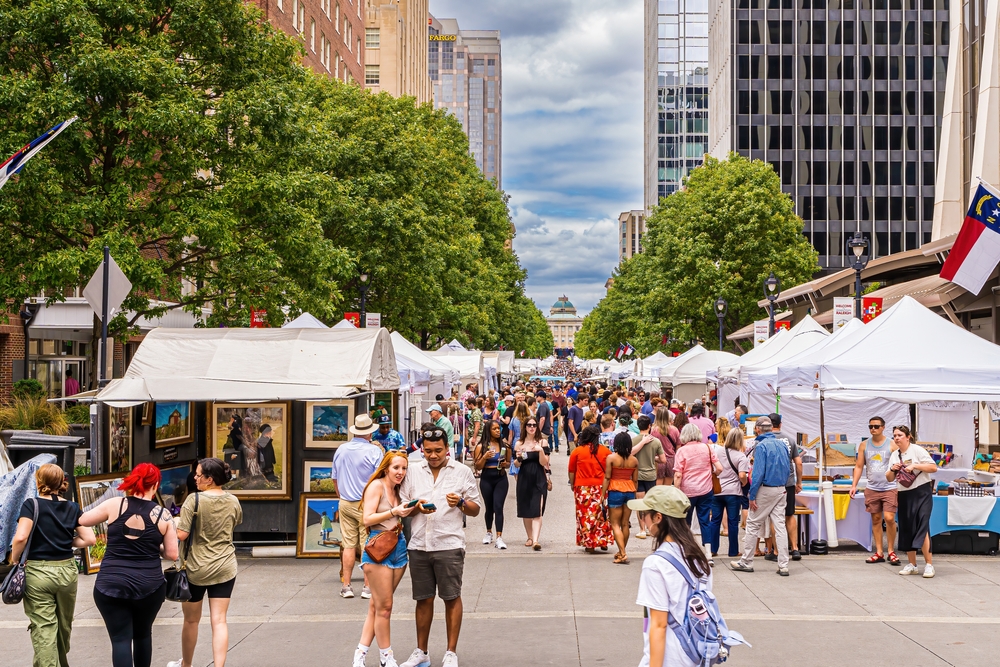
column 720, row 236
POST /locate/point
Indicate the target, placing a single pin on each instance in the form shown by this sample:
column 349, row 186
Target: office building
column 676, row 114
column 631, row 229
column 843, row 98
column 563, row 323
column 465, row 74
column 396, row 48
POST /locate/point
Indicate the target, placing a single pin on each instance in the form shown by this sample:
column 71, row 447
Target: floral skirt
column 592, row 529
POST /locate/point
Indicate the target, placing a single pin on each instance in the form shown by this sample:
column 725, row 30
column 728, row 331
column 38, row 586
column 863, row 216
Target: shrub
column 27, row 414
column 78, row 414
column 28, row 388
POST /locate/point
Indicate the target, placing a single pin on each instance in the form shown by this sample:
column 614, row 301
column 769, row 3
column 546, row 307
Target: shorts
column 619, row 498
column 645, row 486
column 790, row 500
column 396, row 560
column 352, row 530
column 877, row 502
column 437, row 572
column 215, row 591
column 744, row 502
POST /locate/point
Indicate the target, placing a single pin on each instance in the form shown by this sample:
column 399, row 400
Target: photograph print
column 91, row 491
column 173, row 423
column 253, row 439
column 174, row 488
column 318, row 477
column 319, row 526
column 327, row 423
column 120, row 439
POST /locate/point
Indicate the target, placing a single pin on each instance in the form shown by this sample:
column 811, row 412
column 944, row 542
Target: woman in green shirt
column 210, row 557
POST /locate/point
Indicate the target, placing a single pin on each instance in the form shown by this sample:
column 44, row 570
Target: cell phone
column 430, row 506
column 412, row 502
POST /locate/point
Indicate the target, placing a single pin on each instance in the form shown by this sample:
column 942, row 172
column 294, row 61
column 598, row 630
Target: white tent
column 305, row 321
column 454, row 345
column 439, row 370
column 255, row 365
column 468, row 362
column 656, row 359
column 689, row 377
column 805, row 335
column 502, row 360
column 344, row 324
column 663, row 370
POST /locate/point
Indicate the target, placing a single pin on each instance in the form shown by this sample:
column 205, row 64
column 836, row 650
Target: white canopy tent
column 689, row 378
column 727, row 376
column 305, row 321
column 502, row 360
column 656, row 359
column 663, row 371
column 468, row 362
column 255, row 365
column 454, row 345
column 344, row 324
column 805, row 335
column 441, row 375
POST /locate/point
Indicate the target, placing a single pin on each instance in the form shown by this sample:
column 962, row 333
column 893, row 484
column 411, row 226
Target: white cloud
column 572, row 132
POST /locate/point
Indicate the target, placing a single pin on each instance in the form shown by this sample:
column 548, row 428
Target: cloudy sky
column 572, row 132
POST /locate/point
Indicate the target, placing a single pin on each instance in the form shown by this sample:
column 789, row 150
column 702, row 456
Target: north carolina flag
column 620, row 352
column 976, row 251
column 16, row 162
column 629, row 349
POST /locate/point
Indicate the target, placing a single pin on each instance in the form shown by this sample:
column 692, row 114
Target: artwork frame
column 254, row 480
column 91, row 490
column 317, row 476
column 147, row 413
column 323, row 416
column 310, row 526
column 166, row 493
column 120, row 439
column 173, row 423
column 390, row 401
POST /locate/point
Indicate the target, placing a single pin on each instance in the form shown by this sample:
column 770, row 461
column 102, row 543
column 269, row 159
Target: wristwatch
column 461, row 503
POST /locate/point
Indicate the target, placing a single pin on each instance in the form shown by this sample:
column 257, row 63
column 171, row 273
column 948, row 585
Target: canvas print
column 174, row 423
column 319, row 526
column 91, row 491
column 318, row 477
column 120, row 439
column 253, row 439
column 385, row 404
column 327, row 423
column 174, row 488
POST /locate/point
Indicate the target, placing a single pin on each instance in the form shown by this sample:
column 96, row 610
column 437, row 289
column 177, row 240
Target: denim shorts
column 395, row 560
column 619, row 498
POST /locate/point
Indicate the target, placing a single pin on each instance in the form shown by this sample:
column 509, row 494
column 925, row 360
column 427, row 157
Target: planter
column 7, row 432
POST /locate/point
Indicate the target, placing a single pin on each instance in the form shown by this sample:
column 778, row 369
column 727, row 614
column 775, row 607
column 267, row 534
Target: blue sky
column 572, row 132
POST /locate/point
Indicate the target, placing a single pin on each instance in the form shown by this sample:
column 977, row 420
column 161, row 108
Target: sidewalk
column 563, row 607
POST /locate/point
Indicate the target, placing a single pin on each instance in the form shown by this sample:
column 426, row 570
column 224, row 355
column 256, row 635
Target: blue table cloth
column 939, row 518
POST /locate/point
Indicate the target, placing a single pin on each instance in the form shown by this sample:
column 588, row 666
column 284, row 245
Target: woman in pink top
column 694, row 463
column 704, row 424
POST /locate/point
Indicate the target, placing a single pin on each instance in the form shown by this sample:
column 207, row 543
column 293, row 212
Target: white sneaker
column 417, row 659
column 501, row 544
column 488, row 538
column 909, row 569
column 359, row 658
column 641, row 535
column 390, row 661
column 450, row 659
column 180, row 663
column 928, row 571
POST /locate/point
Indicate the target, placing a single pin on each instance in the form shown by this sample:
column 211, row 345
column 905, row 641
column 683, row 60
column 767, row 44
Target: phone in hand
column 412, row 502
column 429, row 506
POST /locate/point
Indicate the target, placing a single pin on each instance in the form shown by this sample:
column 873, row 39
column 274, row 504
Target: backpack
column 703, row 634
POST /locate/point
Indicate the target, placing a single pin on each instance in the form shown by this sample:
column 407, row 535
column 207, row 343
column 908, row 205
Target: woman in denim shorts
column 381, row 511
column 620, row 474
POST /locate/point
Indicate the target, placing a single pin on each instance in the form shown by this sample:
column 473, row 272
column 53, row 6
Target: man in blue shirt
column 771, row 467
column 647, row 407
column 571, row 392
column 388, row 437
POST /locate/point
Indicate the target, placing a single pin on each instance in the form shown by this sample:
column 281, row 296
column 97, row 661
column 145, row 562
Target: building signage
column 442, row 38
column 843, row 311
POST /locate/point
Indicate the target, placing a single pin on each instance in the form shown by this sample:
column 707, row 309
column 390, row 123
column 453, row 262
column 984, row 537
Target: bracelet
column 391, row 512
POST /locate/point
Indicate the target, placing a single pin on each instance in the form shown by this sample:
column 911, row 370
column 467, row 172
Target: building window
column 373, row 38
column 312, row 35
column 491, row 67
column 357, row 54
column 295, row 14
column 491, row 122
column 491, row 94
column 371, row 75
column 336, row 66
column 326, row 8
column 302, row 19
column 348, row 33
column 336, row 18
column 281, row 5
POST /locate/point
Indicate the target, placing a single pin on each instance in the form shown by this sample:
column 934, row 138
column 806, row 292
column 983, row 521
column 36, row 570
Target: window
column 326, row 53
column 373, row 38
column 302, row 19
column 281, row 5
column 295, row 14
column 491, row 67
column 326, row 8
column 371, row 75
column 357, row 53
column 336, row 18
column 491, row 94
column 491, row 124
column 312, row 35
column 336, row 66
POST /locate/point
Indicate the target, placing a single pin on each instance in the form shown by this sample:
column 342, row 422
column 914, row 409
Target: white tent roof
column 440, row 370
column 305, row 321
column 468, row 362
column 693, row 370
column 731, row 370
column 906, row 354
column 344, row 324
column 656, row 359
column 502, row 360
column 805, row 335
column 453, row 345
column 766, row 378
column 663, row 370
column 256, row 365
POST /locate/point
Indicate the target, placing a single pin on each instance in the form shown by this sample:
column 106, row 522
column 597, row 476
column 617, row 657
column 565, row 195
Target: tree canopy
column 720, row 236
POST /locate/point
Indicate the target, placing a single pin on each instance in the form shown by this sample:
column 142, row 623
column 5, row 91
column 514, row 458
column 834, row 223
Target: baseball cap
column 436, row 406
column 385, row 419
column 764, row 421
column 667, row 500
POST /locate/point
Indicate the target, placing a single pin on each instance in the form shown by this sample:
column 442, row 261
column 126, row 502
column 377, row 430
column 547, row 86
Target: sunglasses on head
column 433, row 434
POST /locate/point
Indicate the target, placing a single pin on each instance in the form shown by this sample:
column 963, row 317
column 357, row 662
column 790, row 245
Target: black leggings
column 130, row 626
column 494, row 485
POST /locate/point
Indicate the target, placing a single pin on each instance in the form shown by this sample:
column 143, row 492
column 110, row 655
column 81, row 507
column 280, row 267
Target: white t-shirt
column 729, row 478
column 663, row 588
column 914, row 454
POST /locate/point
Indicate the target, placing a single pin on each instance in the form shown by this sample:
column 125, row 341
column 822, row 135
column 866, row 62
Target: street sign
column 373, row 320
column 843, row 311
column 118, row 288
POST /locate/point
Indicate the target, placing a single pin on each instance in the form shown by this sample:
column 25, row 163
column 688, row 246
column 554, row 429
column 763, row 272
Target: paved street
column 564, row 607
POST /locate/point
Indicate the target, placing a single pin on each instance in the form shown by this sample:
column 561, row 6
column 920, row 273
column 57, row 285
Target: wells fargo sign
column 442, row 38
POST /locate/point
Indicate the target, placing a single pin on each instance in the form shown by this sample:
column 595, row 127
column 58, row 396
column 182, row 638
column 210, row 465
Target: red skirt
column 592, row 530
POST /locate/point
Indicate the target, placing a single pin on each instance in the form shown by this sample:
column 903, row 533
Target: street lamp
column 363, row 288
column 720, row 312
column 772, row 288
column 859, row 246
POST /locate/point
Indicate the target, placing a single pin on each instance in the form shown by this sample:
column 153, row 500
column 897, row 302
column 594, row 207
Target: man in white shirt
column 448, row 493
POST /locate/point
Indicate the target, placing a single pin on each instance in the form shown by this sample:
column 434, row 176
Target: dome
column 562, row 306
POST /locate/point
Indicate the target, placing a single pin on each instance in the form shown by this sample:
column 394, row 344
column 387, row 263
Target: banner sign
column 843, row 311
column 373, row 320
column 353, row 318
column 782, row 324
column 871, row 307
column 761, row 332
column 258, row 319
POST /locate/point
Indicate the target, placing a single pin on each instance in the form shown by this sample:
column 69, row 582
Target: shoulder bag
column 744, row 487
column 904, row 477
column 178, row 588
column 716, row 484
column 12, row 588
column 383, row 544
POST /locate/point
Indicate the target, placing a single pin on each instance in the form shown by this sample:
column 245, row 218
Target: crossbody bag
column 178, row 587
column 12, row 588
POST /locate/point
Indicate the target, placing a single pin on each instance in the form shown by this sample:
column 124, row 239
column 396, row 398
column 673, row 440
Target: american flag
column 16, row 162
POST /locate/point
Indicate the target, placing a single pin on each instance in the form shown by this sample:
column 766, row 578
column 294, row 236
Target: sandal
column 617, row 559
column 536, row 546
column 876, row 558
column 529, row 542
column 590, row 550
column 893, row 560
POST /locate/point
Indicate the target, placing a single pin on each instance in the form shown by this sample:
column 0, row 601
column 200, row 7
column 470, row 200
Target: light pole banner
column 373, row 320
column 843, row 311
column 761, row 330
column 871, row 307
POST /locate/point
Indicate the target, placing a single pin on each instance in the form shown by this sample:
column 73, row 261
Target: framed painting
column 319, row 526
column 147, row 414
column 317, row 477
column 253, row 438
column 327, row 423
column 174, row 487
column 91, row 491
column 173, row 423
column 120, row 439
column 385, row 403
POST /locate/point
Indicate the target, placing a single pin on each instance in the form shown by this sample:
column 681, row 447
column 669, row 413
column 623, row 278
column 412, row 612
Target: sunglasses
column 531, row 425
column 433, row 434
column 872, row 427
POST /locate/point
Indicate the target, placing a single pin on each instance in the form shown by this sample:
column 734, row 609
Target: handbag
column 178, row 587
column 12, row 588
column 383, row 544
column 716, row 484
column 906, row 478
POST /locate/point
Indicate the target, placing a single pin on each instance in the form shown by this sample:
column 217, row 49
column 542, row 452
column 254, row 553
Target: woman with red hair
column 130, row 586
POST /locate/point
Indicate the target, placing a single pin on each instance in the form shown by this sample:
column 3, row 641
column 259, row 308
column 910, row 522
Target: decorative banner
column 353, row 318
column 782, row 324
column 761, row 332
column 871, row 307
column 843, row 311
column 258, row 319
column 373, row 320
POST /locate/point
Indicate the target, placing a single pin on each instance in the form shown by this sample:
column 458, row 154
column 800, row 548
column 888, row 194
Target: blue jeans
column 703, row 505
column 732, row 506
column 554, row 436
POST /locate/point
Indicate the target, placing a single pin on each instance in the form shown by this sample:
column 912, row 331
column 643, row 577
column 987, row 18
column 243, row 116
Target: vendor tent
column 453, row 345
column 468, row 362
column 344, row 324
column 689, row 377
column 805, row 335
column 502, row 360
column 656, row 359
column 663, row 371
column 304, row 321
column 255, row 365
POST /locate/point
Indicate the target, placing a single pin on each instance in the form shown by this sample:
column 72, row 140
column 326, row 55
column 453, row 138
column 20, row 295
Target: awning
column 75, row 316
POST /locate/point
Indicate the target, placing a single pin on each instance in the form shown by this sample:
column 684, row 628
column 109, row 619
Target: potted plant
column 29, row 411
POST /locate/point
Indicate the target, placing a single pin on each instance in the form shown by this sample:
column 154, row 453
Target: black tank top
column 131, row 567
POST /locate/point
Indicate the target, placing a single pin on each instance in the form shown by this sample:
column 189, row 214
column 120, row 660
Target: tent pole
column 821, row 448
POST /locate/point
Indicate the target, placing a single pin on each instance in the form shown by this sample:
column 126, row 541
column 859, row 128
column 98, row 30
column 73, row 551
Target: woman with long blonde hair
column 670, row 440
column 381, row 512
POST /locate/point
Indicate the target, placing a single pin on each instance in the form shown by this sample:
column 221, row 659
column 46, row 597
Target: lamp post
column 720, row 312
column 859, row 247
column 363, row 288
column 772, row 288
